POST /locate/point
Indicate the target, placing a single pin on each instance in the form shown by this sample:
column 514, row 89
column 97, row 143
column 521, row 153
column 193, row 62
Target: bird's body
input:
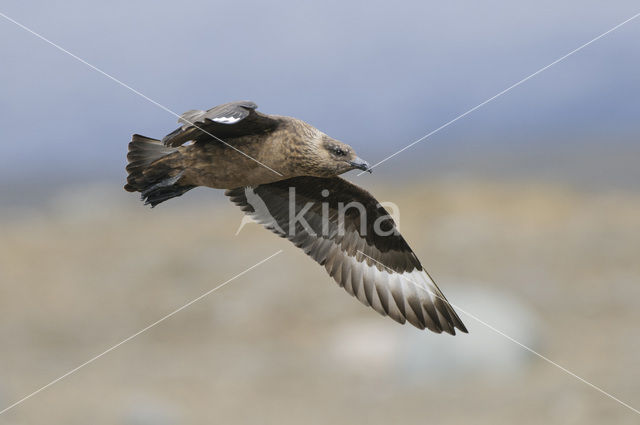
column 283, row 172
column 216, row 165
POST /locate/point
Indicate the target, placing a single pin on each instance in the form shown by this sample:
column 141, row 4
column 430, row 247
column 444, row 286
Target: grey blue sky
column 375, row 74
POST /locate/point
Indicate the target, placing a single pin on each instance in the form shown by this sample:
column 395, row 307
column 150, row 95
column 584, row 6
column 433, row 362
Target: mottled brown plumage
column 267, row 148
column 277, row 167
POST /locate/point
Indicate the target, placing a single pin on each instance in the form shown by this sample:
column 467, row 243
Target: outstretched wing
column 230, row 120
column 344, row 228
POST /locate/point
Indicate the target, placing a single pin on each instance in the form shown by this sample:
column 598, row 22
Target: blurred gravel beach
column 555, row 267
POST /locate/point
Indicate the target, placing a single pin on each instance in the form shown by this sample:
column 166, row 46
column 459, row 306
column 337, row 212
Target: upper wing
column 223, row 121
column 344, row 228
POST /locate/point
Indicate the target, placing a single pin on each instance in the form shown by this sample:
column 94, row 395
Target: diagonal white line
column 91, row 360
column 499, row 332
column 501, row 93
column 111, row 77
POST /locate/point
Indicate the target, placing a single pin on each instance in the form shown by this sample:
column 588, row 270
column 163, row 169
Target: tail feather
column 155, row 170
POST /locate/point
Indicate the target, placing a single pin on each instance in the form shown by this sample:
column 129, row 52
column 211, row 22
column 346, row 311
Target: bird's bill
column 361, row 164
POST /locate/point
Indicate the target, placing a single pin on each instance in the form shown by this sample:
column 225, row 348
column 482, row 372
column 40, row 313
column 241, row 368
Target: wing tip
column 461, row 327
column 456, row 323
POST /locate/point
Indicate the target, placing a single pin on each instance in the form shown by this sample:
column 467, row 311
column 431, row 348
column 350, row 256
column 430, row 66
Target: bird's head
column 324, row 156
column 341, row 157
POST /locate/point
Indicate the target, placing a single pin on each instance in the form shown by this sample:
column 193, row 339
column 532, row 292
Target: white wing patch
column 226, row 120
column 408, row 296
column 387, row 293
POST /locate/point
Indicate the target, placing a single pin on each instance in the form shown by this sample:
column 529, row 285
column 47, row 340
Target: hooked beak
column 360, row 164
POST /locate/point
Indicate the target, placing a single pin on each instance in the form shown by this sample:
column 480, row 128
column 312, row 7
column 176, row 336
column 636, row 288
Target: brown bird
column 284, row 172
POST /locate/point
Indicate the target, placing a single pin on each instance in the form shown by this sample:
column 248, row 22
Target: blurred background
column 526, row 212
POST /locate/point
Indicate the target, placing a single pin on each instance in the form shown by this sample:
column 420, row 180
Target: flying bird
column 284, row 173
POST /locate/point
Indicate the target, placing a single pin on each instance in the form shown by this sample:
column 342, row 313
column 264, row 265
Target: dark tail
column 155, row 170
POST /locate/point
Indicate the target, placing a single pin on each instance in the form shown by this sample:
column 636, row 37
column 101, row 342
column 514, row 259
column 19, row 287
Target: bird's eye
column 339, row 152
